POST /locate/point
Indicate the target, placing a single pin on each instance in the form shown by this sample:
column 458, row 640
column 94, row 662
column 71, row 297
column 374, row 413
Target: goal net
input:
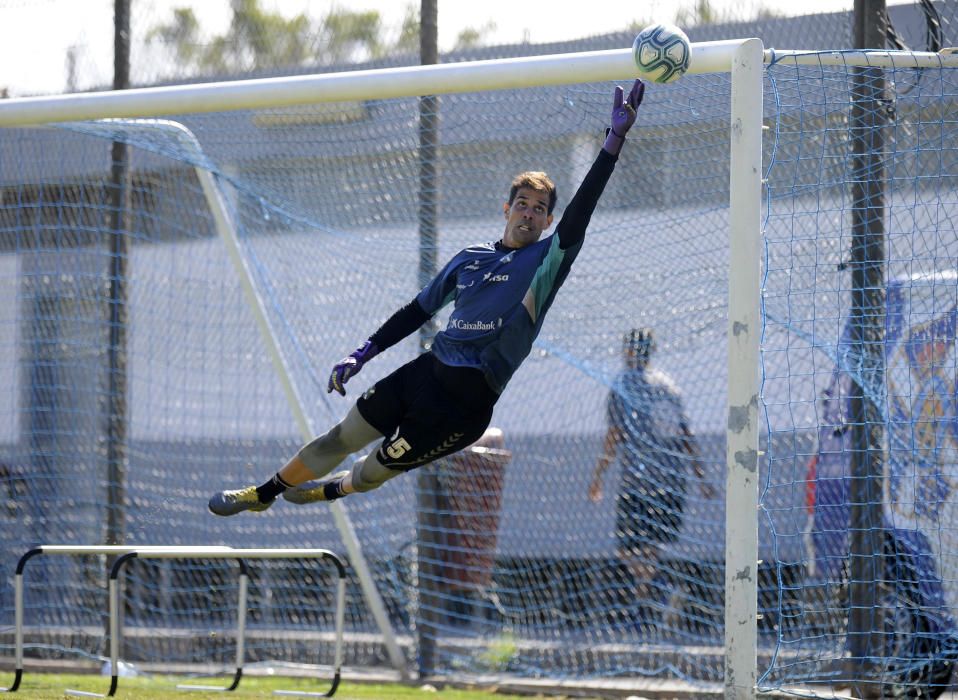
column 859, row 370
column 202, row 310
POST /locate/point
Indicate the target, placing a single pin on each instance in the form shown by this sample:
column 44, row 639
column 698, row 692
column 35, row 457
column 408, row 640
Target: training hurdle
column 124, row 554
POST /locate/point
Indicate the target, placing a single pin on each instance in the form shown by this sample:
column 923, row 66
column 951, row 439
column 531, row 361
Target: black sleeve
column 576, row 217
column 402, row 323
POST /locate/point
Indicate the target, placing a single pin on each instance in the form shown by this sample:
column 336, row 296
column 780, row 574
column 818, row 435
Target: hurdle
column 124, row 554
column 93, row 550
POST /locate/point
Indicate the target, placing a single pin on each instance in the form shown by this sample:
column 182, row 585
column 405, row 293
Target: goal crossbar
column 449, row 78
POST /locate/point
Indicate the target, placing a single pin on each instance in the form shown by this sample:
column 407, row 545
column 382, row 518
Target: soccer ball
column 662, row 52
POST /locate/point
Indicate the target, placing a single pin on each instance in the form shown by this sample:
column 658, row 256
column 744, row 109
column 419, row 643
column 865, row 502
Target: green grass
column 50, row 686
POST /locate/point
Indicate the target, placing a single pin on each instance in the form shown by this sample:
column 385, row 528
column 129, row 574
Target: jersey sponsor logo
column 465, row 286
column 489, row 277
column 461, row 325
column 507, row 258
column 472, row 266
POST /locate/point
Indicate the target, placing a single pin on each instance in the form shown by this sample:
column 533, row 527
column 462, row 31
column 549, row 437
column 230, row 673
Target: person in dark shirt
column 442, row 401
column 648, row 432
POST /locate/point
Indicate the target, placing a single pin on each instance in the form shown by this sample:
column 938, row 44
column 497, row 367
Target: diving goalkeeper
column 442, row 401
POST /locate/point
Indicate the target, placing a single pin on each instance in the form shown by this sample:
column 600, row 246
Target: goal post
column 744, row 335
column 744, row 61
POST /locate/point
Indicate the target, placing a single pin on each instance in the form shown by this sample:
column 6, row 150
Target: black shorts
column 649, row 512
column 427, row 410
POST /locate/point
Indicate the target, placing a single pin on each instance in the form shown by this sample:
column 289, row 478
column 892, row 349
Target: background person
column 648, row 432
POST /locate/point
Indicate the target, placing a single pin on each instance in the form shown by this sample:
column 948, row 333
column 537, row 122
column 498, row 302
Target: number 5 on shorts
column 398, row 448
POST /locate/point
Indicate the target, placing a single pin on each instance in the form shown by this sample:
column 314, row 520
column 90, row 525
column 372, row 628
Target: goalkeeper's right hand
column 623, row 116
column 349, row 366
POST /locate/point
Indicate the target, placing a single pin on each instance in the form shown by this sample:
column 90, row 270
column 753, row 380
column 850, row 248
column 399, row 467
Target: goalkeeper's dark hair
column 534, row 180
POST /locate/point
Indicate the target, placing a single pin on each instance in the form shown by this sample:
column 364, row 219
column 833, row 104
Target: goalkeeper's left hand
column 349, row 366
column 623, row 116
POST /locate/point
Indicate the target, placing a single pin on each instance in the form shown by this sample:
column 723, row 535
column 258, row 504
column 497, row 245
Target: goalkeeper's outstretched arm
column 401, row 324
column 571, row 229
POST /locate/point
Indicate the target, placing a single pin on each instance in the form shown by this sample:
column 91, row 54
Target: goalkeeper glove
column 623, row 116
column 350, row 366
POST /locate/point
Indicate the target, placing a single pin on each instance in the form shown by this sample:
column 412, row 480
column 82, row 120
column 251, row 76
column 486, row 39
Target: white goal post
column 743, row 59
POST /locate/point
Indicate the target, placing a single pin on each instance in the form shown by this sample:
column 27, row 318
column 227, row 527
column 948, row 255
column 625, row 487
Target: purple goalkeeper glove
column 350, row 366
column 623, row 116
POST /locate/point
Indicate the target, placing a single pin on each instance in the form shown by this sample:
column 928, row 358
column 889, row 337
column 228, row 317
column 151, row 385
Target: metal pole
column 866, row 561
column 744, row 336
column 428, row 526
column 119, row 197
column 117, row 296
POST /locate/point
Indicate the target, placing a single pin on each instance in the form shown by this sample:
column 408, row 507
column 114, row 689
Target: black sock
column 271, row 489
column 333, row 490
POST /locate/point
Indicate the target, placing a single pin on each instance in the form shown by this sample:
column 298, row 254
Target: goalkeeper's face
column 527, row 216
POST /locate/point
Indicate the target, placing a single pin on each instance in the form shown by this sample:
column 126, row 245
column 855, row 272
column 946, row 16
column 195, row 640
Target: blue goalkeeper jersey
column 501, row 295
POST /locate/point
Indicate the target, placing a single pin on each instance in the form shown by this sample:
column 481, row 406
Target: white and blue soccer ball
column 662, row 52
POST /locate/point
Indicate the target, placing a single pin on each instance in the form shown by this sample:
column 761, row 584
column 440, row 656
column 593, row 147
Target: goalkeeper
column 442, row 401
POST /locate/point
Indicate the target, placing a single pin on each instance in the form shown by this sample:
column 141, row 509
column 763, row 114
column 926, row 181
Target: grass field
column 50, row 686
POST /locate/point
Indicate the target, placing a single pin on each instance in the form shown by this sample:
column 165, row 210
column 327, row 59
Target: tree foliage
column 346, row 36
column 182, row 34
column 259, row 39
column 408, row 41
column 704, row 12
column 470, row 37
